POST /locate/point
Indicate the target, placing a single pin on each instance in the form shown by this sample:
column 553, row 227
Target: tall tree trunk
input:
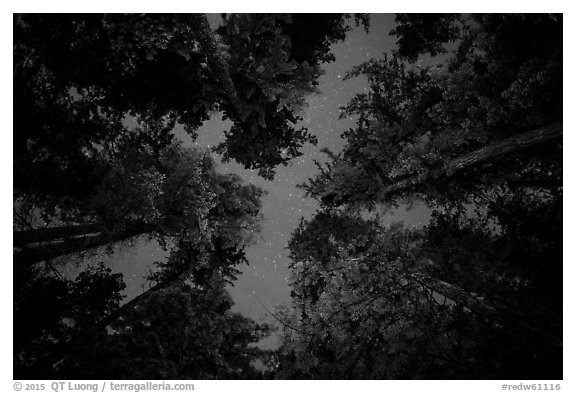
column 218, row 63
column 506, row 146
column 22, row 238
column 485, row 311
column 458, row 295
column 30, row 255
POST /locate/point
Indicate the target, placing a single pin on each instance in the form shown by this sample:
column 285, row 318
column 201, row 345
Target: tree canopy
column 476, row 134
column 465, row 116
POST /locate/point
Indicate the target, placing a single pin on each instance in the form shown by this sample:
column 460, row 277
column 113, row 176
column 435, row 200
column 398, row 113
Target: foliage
column 424, row 33
column 271, row 90
column 311, row 35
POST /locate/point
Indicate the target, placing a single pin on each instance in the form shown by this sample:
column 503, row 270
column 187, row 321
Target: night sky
column 267, row 275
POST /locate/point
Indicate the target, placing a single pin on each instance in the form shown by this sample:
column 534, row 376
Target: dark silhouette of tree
column 49, row 309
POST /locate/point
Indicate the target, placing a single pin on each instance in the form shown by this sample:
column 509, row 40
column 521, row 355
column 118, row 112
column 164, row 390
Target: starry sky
column 264, row 282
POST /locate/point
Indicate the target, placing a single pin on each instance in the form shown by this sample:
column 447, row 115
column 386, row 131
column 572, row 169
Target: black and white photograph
column 299, row 196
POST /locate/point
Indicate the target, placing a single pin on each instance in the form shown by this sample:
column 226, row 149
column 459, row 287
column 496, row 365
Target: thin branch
column 281, row 321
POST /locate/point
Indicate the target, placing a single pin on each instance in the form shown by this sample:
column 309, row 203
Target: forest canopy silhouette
column 463, row 116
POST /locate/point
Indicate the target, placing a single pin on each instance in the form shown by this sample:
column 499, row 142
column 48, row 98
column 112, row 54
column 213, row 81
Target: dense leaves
column 424, row 33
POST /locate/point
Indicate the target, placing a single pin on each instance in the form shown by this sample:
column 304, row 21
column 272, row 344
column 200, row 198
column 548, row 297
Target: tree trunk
column 458, row 295
column 218, row 63
column 506, row 146
column 31, row 255
column 22, row 238
column 485, row 311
